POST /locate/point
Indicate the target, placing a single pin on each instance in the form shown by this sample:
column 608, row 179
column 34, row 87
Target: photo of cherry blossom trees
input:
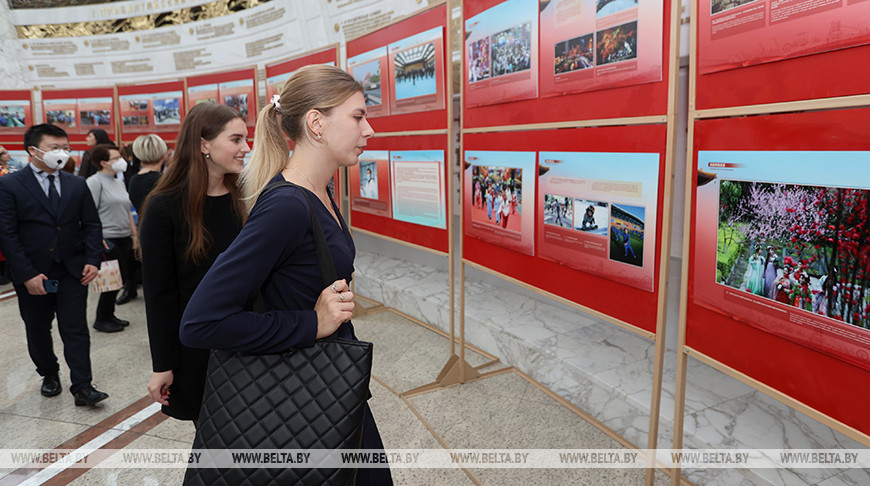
column 803, row 246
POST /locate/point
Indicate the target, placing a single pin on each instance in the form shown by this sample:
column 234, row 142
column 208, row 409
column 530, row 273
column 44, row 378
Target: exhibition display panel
column 403, row 71
column 780, row 239
column 79, row 110
column 151, row 108
column 566, row 208
column 277, row 73
column 236, row 89
column 601, row 59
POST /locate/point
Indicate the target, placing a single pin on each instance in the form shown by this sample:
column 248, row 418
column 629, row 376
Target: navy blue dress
column 276, row 248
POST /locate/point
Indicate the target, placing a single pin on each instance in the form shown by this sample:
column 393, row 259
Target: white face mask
column 54, row 159
column 119, row 165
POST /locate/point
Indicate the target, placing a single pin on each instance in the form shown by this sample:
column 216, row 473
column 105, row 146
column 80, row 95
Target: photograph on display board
column 205, row 93
column 600, row 216
column 60, row 112
column 501, row 46
column 417, row 72
column 499, row 205
column 370, row 183
column 626, row 234
column 239, row 95
column 19, row 160
column 167, row 108
column 588, row 45
column 785, row 246
column 593, row 217
column 95, row 113
column 14, row 114
column 419, row 191
column 738, row 33
column 135, row 112
column 370, row 70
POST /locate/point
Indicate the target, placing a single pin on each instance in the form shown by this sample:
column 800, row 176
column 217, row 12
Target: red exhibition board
column 79, row 110
column 780, row 355
column 427, row 236
column 151, row 108
column 604, row 290
column 395, row 107
column 236, row 89
column 627, row 96
column 278, row 72
column 16, row 114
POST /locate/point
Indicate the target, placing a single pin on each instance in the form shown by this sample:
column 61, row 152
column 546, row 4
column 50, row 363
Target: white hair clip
column 276, row 102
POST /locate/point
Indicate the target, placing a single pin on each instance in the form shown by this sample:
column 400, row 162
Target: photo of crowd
column 369, row 76
column 238, row 102
column 415, row 71
column 559, row 210
column 717, row 6
column 497, row 196
column 96, row 117
column 478, row 60
column 608, row 7
column 12, row 116
column 626, row 234
column 574, row 54
column 617, row 43
column 166, row 111
column 66, row 118
column 138, row 105
column 591, row 216
column 803, row 246
column 135, row 121
column 512, row 50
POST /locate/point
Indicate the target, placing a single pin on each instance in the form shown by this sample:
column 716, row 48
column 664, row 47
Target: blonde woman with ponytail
column 322, row 110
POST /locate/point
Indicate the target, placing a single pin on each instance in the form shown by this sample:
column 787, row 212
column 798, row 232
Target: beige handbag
column 108, row 278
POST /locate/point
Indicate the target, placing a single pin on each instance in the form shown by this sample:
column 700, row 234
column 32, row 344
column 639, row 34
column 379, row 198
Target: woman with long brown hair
column 322, row 109
column 191, row 216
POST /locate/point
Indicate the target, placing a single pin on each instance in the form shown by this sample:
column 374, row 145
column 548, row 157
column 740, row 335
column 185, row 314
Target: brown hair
column 314, row 87
column 100, row 154
column 187, row 175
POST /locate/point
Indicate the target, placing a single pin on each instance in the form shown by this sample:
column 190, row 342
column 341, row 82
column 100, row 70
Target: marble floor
column 503, row 409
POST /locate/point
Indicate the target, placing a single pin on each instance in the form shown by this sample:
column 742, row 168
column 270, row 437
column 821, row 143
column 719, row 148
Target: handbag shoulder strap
column 324, row 255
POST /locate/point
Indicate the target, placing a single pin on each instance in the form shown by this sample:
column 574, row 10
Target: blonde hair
column 315, row 87
column 149, row 149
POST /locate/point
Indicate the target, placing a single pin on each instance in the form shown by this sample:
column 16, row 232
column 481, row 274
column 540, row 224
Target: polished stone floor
column 503, row 409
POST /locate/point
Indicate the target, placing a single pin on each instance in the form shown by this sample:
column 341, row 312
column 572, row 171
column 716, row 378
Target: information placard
column 501, row 54
column 78, row 115
column 418, row 189
column 151, row 112
column 594, row 44
column 599, row 213
column 738, row 33
column 16, row 112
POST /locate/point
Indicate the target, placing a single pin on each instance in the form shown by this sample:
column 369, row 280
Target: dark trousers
column 123, row 252
column 69, row 305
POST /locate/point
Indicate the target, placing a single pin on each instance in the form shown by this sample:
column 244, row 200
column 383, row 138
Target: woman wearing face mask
column 119, row 230
column 95, row 137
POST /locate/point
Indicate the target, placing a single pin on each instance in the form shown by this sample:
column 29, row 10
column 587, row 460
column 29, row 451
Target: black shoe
column 107, row 325
column 120, row 322
column 89, row 396
column 50, row 386
column 126, row 297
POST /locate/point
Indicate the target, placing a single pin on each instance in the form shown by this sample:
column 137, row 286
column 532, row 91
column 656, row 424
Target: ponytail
column 269, row 158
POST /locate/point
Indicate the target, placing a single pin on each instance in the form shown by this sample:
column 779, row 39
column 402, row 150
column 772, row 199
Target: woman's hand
column 158, row 386
column 334, row 307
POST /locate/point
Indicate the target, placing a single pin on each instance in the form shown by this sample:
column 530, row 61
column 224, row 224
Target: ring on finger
column 340, row 297
column 334, row 289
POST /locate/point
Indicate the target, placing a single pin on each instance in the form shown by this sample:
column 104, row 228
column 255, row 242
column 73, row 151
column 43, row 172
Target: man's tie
column 53, row 196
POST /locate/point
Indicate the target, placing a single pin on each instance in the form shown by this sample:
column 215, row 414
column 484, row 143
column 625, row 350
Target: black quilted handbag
column 306, row 398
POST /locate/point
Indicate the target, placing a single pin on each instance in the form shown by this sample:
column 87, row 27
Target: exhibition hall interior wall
column 574, row 155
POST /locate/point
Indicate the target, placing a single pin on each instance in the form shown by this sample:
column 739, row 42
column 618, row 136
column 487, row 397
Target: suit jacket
column 31, row 234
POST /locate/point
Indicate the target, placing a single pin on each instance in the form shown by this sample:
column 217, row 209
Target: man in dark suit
column 51, row 236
